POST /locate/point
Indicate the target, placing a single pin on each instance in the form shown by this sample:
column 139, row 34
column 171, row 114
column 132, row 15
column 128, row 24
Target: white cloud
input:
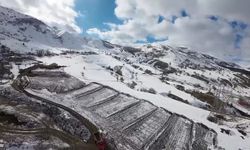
column 140, row 19
column 122, row 34
column 58, row 13
column 230, row 9
column 202, row 34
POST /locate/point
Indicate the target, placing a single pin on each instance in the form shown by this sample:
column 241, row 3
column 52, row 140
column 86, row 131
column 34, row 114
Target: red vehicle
column 100, row 141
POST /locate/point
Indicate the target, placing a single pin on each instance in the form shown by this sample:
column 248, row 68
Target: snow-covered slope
column 24, row 33
column 189, row 85
column 198, row 86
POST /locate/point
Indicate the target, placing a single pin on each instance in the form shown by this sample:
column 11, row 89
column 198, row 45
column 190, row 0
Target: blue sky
column 95, row 13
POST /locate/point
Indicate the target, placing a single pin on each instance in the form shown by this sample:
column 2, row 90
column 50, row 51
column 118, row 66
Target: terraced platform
column 132, row 123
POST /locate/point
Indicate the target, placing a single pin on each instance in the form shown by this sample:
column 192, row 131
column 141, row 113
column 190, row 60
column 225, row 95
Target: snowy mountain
column 25, row 33
column 198, row 86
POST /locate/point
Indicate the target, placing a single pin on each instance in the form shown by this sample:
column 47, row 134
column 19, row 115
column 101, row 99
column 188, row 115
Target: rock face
column 131, row 123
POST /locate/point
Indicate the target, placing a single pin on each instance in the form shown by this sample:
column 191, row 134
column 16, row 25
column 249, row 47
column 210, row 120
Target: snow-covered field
column 92, row 67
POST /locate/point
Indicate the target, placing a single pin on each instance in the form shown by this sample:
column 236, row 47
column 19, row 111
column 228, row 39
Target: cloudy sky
column 216, row 27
